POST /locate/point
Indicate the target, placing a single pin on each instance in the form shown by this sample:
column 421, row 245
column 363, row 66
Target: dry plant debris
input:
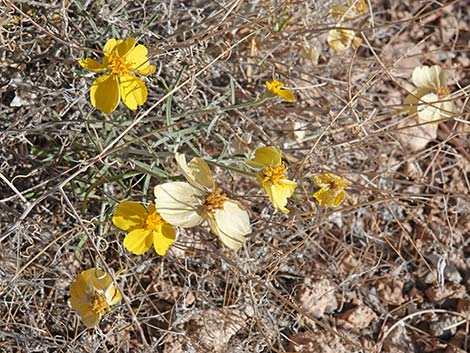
column 324, row 206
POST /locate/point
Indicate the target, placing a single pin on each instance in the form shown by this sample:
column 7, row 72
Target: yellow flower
column 91, row 295
column 144, row 227
column 275, row 88
column 353, row 9
column 199, row 200
column 331, row 191
column 272, row 176
column 428, row 100
column 121, row 58
column 342, row 39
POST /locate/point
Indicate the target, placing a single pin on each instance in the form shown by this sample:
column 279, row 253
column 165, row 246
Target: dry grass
column 395, row 253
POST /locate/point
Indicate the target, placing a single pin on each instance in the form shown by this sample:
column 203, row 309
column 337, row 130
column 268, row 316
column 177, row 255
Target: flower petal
column 113, row 296
column 340, row 39
column 162, row 240
column 80, row 290
column 180, row 204
column 90, row 318
column 92, row 65
column 339, row 198
column 197, row 173
column 104, row 93
column 124, row 47
column 429, row 109
column 110, row 45
column 133, row 91
column 279, row 193
column 415, row 96
column 429, row 77
column 287, row 95
column 137, row 57
column 231, row 224
column 267, row 156
column 129, row 215
column 138, row 241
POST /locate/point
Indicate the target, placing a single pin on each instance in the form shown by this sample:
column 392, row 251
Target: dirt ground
column 386, row 271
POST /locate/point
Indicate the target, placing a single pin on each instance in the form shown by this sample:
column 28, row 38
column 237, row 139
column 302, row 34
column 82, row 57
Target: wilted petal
column 113, row 296
column 340, row 39
column 138, row 241
column 197, row 173
column 133, row 91
column 179, row 203
column 104, row 93
column 429, row 109
column 231, row 224
column 267, row 156
column 129, row 215
column 429, row 77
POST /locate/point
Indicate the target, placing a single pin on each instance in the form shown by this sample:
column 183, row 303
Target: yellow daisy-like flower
column 121, row 58
column 428, row 101
column 144, row 227
column 331, row 191
column 342, row 39
column 272, row 176
column 91, row 295
column 276, row 88
column 199, row 200
column 353, row 9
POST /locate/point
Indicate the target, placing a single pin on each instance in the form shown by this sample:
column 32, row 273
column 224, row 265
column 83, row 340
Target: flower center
column 275, row 87
column 442, row 92
column 275, row 175
column 98, row 304
column 153, row 221
column 118, row 65
column 215, row 201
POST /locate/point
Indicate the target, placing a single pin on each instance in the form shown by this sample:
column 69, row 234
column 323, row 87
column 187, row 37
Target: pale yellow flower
column 121, row 58
column 272, row 176
column 91, row 295
column 428, row 101
column 188, row 204
column 276, row 88
column 331, row 191
column 342, row 39
column 145, row 228
column 353, row 9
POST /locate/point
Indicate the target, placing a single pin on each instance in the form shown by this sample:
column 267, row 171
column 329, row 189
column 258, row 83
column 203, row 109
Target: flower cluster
column 198, row 201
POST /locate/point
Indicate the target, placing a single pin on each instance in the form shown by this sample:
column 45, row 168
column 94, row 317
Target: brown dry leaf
column 318, row 298
column 390, row 291
column 357, row 318
column 212, row 329
column 450, row 291
column 315, row 342
column 398, row 341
